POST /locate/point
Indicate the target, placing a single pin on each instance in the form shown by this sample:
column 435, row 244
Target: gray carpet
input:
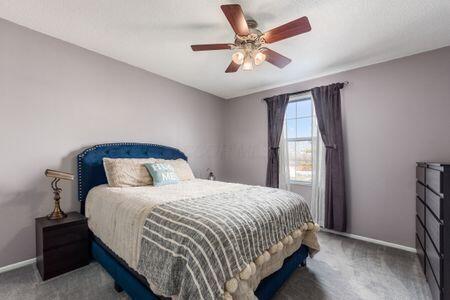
column 344, row 269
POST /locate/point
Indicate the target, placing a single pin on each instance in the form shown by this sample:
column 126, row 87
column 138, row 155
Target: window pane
column 291, row 154
column 303, row 161
column 290, row 126
column 290, row 111
column 304, row 127
column 304, row 108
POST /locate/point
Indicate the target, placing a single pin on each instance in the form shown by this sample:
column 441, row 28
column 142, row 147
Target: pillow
column 123, row 172
column 181, row 167
column 162, row 173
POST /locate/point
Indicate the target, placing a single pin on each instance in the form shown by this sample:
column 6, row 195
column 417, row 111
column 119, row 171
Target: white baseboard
column 370, row 240
column 17, row 265
column 349, row 235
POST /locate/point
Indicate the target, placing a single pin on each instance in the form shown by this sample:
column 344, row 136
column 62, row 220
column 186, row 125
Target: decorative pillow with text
column 162, row 173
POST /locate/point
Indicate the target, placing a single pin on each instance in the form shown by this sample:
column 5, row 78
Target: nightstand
column 61, row 245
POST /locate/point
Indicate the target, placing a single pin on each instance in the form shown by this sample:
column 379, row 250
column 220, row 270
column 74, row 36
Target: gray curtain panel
column 327, row 102
column 276, row 108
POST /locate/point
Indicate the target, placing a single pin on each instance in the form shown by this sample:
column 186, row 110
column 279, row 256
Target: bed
column 121, row 250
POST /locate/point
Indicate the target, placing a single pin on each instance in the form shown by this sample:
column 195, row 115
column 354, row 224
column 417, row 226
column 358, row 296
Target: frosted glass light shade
column 259, row 58
column 248, row 63
column 238, row 57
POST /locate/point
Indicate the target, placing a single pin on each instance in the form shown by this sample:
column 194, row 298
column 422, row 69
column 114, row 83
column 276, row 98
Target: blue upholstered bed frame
column 91, row 173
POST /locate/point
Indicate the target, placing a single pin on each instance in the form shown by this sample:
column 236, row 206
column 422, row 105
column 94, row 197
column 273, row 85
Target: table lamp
column 57, row 213
column 211, row 175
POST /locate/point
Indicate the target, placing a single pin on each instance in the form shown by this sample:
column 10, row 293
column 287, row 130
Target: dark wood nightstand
column 61, row 245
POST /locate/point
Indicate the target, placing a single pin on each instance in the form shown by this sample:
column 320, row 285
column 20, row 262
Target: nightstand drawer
column 61, row 245
column 66, row 258
column 55, row 237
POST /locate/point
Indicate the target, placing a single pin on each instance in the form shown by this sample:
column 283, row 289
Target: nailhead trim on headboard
column 96, row 147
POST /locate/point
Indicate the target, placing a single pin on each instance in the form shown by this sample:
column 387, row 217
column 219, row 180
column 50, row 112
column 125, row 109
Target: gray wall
column 56, row 99
column 394, row 114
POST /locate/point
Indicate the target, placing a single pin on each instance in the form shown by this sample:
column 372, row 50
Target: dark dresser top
column 433, row 164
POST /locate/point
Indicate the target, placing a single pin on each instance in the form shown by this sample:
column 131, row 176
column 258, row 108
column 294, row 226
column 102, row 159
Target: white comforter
column 117, row 216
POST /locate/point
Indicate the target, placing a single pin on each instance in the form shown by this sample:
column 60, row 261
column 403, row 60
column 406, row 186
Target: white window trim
column 302, row 183
column 293, row 99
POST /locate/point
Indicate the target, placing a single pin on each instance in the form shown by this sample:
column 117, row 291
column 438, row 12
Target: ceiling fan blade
column 233, row 67
column 207, row 47
column 236, row 17
column 276, row 58
column 287, row 30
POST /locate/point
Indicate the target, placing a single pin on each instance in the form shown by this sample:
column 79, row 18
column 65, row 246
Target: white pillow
column 122, row 172
column 181, row 167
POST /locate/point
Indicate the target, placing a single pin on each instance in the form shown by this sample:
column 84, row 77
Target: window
column 299, row 118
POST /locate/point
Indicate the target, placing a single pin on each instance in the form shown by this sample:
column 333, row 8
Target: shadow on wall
column 38, row 197
column 19, row 208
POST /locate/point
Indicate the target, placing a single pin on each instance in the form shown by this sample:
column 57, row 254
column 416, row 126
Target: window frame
column 293, row 99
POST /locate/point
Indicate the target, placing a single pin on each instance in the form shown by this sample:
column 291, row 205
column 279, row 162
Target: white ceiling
column 155, row 35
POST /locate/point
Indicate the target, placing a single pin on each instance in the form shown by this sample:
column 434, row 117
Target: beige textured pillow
column 181, row 167
column 122, row 172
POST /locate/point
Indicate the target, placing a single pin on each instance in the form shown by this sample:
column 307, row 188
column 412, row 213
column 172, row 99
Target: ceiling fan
column 250, row 43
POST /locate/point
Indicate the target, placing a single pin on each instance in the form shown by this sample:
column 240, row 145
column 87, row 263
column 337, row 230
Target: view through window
column 299, row 117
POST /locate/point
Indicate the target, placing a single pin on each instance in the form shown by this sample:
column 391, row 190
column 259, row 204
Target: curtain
column 284, row 180
column 276, row 108
column 318, row 174
column 327, row 103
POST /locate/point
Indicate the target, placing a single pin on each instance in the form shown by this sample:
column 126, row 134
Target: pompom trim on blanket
column 232, row 285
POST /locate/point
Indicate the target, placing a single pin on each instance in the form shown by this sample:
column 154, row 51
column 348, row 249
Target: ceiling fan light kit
column 250, row 44
column 248, row 64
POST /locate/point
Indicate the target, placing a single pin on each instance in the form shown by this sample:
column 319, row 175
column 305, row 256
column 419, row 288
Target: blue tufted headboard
column 90, row 162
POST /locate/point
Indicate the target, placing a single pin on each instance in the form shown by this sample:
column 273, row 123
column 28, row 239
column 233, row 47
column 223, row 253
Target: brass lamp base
column 57, row 213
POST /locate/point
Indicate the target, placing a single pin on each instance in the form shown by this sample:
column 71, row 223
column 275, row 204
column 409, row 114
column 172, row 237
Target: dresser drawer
column 420, row 253
column 420, row 174
column 420, row 190
column 420, row 210
column 435, row 203
column 420, row 231
column 55, row 237
column 434, row 180
column 435, row 291
column 435, row 259
column 434, row 229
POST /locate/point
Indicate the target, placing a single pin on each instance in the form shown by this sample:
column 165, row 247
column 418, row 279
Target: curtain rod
column 306, row 91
